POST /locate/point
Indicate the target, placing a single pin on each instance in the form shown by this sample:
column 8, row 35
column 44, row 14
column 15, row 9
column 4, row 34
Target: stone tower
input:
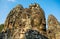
column 53, row 28
column 21, row 20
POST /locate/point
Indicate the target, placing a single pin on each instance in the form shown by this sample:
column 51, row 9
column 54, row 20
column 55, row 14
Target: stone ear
column 43, row 21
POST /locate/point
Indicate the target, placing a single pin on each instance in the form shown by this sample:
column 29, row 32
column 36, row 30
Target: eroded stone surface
column 20, row 20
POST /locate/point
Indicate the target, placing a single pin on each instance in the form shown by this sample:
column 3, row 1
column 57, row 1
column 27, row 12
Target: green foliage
column 1, row 27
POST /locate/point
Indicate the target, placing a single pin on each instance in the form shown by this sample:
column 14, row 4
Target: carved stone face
column 26, row 19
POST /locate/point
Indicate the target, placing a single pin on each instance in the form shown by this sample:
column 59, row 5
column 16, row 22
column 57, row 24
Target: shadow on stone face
column 33, row 34
column 2, row 35
column 5, row 35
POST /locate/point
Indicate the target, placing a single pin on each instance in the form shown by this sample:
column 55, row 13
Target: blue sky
column 49, row 7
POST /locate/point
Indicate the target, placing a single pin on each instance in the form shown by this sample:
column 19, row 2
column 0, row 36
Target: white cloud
column 11, row 0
